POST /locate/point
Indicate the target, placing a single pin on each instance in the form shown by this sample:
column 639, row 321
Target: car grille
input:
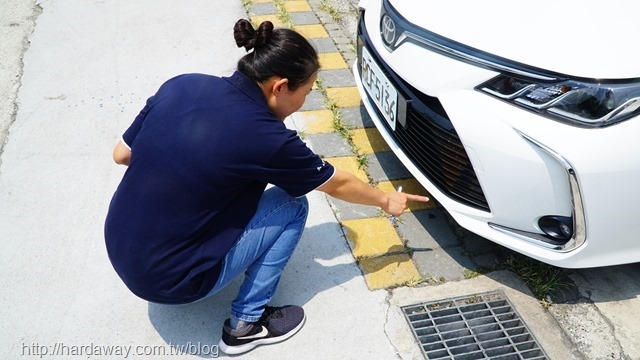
column 431, row 142
column 433, row 145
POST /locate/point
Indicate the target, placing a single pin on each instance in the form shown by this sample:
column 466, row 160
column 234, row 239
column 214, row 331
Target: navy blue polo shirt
column 203, row 150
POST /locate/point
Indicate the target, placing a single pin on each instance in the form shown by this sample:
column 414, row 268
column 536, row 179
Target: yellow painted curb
column 375, row 241
column 316, row 121
column 258, row 19
column 314, row 31
column 331, row 61
column 387, row 271
column 411, row 186
column 372, row 237
column 349, row 164
column 345, row 96
column 296, row 6
column 369, row 141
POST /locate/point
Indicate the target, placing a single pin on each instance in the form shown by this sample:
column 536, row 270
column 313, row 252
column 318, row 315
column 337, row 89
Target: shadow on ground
column 319, row 264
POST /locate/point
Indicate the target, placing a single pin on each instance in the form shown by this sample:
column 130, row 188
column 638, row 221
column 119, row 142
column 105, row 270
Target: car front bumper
column 524, row 166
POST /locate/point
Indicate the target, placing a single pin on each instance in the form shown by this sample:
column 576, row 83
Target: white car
column 520, row 118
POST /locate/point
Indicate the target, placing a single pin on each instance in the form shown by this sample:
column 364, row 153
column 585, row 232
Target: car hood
column 589, row 39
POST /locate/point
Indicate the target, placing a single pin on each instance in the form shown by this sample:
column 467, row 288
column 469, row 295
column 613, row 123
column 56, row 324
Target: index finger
column 420, row 198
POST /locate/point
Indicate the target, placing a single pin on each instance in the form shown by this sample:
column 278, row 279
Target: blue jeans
column 262, row 251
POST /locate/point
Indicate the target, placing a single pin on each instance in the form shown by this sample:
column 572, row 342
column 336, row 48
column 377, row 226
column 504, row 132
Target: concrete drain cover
column 482, row 326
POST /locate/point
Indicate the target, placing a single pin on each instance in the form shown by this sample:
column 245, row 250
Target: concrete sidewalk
column 87, row 71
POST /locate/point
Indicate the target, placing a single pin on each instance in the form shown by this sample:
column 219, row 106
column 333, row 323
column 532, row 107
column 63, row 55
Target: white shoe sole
column 235, row 350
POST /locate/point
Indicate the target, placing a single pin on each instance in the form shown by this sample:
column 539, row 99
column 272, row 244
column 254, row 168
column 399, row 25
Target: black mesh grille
column 436, row 150
column 431, row 142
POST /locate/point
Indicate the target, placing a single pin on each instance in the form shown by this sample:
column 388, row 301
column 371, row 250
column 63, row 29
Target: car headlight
column 580, row 103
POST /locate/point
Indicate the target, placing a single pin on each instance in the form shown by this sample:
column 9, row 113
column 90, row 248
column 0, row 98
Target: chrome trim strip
column 578, row 216
column 534, row 238
column 469, row 58
column 509, row 96
column 401, row 25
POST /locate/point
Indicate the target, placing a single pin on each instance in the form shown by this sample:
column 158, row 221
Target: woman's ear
column 278, row 85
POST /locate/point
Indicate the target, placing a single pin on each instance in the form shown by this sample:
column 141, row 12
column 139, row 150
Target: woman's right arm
column 121, row 154
column 347, row 187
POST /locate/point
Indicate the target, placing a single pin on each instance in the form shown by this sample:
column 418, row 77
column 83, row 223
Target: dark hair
column 276, row 52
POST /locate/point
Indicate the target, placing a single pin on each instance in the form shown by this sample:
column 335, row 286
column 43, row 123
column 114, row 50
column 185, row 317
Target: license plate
column 379, row 88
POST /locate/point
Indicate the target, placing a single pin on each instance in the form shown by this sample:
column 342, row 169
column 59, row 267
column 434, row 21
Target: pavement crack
column 16, row 68
column 589, row 329
column 622, row 355
column 387, row 301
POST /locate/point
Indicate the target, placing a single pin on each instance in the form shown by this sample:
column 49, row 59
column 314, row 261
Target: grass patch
column 326, row 6
column 415, row 282
column 470, row 274
column 283, row 14
column 340, row 128
column 247, row 4
column 541, row 278
column 363, row 161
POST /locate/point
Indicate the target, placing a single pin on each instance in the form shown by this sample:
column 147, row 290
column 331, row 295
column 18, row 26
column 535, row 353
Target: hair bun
column 264, row 33
column 245, row 35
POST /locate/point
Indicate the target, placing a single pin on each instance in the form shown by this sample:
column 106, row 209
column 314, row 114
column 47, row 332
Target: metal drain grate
column 483, row 326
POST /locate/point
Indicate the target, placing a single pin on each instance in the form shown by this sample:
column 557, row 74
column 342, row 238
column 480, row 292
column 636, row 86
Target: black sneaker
column 276, row 324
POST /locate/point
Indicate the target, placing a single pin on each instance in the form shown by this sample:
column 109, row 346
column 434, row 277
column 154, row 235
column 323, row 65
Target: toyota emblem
column 388, row 30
